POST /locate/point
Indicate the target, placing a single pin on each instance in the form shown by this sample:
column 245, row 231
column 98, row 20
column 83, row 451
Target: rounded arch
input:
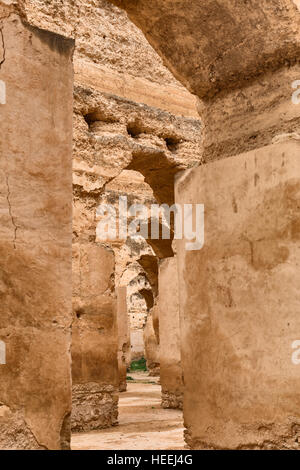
column 212, row 45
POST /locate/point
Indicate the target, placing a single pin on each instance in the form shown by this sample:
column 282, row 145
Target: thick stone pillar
column 123, row 337
column 36, row 82
column 94, row 339
column 169, row 335
column 240, row 302
column 151, row 342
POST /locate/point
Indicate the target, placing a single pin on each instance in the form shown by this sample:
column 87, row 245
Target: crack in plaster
column 10, row 213
column 3, row 46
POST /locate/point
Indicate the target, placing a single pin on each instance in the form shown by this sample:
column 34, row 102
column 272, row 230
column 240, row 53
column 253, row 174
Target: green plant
column 139, row 365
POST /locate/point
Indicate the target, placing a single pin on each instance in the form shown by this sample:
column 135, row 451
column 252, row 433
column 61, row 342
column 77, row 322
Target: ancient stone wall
column 104, row 36
column 171, row 373
column 222, row 50
column 243, row 76
column 124, row 356
column 114, row 68
column 112, row 55
column 112, row 134
column 128, row 272
column 137, row 309
column 239, row 301
column 238, row 297
column 151, row 342
column 35, row 234
column 94, row 338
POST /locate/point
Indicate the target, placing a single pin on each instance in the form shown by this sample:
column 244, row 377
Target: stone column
column 169, row 334
column 123, row 337
column 240, row 301
column 151, row 342
column 94, row 338
column 36, row 82
column 238, row 296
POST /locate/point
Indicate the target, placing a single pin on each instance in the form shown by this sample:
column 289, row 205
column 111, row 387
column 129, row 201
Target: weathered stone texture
column 243, row 76
column 7, row 7
column 138, row 288
column 212, row 46
column 112, row 55
column 238, row 296
column 104, row 36
column 169, row 335
column 112, row 137
column 113, row 134
column 123, row 337
column 239, row 301
column 251, row 116
column 94, row 339
column 35, row 231
column 94, row 406
column 151, row 342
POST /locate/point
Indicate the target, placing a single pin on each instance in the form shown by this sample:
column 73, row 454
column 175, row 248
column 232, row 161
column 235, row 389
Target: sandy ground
column 143, row 424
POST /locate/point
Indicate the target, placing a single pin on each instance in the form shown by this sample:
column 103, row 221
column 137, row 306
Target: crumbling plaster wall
column 111, row 53
column 104, row 36
column 240, row 301
column 124, row 357
column 94, row 338
column 243, row 79
column 114, row 68
column 35, row 234
column 151, row 342
column 137, row 310
column 117, row 134
column 171, row 372
column 243, row 75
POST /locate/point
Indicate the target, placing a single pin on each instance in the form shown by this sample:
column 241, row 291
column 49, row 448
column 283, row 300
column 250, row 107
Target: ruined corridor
column 149, row 225
column 143, row 423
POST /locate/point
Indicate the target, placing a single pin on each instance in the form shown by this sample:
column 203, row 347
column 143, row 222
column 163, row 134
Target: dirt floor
column 143, row 424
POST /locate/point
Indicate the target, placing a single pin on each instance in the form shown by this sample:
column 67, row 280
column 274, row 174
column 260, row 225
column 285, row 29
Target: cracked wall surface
column 35, row 231
column 2, row 56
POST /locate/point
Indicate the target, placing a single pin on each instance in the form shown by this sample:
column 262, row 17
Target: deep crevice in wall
column 3, row 47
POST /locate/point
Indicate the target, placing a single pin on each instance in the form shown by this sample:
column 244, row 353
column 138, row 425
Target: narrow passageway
column 143, row 424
